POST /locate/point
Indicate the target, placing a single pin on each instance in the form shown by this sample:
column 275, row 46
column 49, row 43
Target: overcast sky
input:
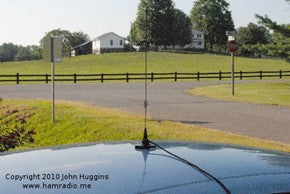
column 26, row 21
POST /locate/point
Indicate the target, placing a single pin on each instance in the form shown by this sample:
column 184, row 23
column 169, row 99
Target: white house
column 197, row 40
column 109, row 42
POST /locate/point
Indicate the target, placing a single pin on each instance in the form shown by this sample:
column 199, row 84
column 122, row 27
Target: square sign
column 231, row 33
column 52, row 49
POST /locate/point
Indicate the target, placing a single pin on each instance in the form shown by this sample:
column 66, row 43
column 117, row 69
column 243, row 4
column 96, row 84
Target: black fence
column 127, row 77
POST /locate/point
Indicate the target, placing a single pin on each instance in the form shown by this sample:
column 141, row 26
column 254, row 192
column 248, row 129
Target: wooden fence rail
column 174, row 76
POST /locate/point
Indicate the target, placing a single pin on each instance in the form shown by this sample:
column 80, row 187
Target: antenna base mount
column 145, row 143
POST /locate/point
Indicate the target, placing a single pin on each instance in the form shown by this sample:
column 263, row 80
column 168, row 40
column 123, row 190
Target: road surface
column 170, row 101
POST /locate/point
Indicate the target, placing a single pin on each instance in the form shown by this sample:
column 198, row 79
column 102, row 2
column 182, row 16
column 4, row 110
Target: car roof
column 117, row 167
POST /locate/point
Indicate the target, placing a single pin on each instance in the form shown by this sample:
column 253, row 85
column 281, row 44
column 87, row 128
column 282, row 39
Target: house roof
column 98, row 38
column 83, row 44
column 196, row 31
column 106, row 34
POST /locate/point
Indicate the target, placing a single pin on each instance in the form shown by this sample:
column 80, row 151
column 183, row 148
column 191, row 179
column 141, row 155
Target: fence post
column 261, row 74
column 46, row 78
column 127, row 77
column 175, row 76
column 152, row 76
column 102, row 78
column 198, row 76
column 17, row 78
column 220, row 75
column 280, row 73
column 241, row 75
column 75, row 78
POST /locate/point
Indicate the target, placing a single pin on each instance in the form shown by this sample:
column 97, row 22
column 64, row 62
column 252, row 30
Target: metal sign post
column 233, row 73
column 52, row 53
column 52, row 80
column 233, row 47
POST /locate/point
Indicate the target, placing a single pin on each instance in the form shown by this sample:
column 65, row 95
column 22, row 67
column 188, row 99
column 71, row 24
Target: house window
column 198, row 35
column 121, row 42
column 199, row 43
column 111, row 42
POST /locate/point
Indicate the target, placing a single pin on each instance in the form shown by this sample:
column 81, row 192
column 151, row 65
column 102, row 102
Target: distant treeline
column 12, row 52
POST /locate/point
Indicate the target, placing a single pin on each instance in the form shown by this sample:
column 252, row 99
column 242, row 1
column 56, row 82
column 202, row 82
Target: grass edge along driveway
column 258, row 93
column 81, row 123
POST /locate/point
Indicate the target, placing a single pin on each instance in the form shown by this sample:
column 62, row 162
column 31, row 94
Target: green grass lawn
column 262, row 93
column 79, row 123
column 134, row 62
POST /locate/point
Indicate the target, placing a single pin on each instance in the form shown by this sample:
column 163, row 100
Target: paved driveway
column 169, row 101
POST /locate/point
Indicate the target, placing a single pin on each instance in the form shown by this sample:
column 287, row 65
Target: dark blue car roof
column 118, row 168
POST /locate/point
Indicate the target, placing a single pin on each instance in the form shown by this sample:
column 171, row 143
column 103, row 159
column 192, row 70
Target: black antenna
column 145, row 142
column 206, row 174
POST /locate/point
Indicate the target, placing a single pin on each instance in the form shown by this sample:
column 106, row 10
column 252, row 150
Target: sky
column 26, row 21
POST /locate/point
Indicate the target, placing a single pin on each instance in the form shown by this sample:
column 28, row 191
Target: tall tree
column 253, row 34
column 213, row 18
column 182, row 29
column 157, row 18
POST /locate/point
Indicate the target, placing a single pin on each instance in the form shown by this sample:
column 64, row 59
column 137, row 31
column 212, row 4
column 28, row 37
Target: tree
column 64, row 34
column 267, row 22
column 8, row 52
column 77, row 38
column 213, row 18
column 36, row 52
column 23, row 54
column 253, row 34
column 69, row 40
column 156, row 18
column 281, row 37
column 134, row 36
column 182, row 29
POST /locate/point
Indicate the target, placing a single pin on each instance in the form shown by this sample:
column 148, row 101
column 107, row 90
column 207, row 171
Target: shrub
column 12, row 137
